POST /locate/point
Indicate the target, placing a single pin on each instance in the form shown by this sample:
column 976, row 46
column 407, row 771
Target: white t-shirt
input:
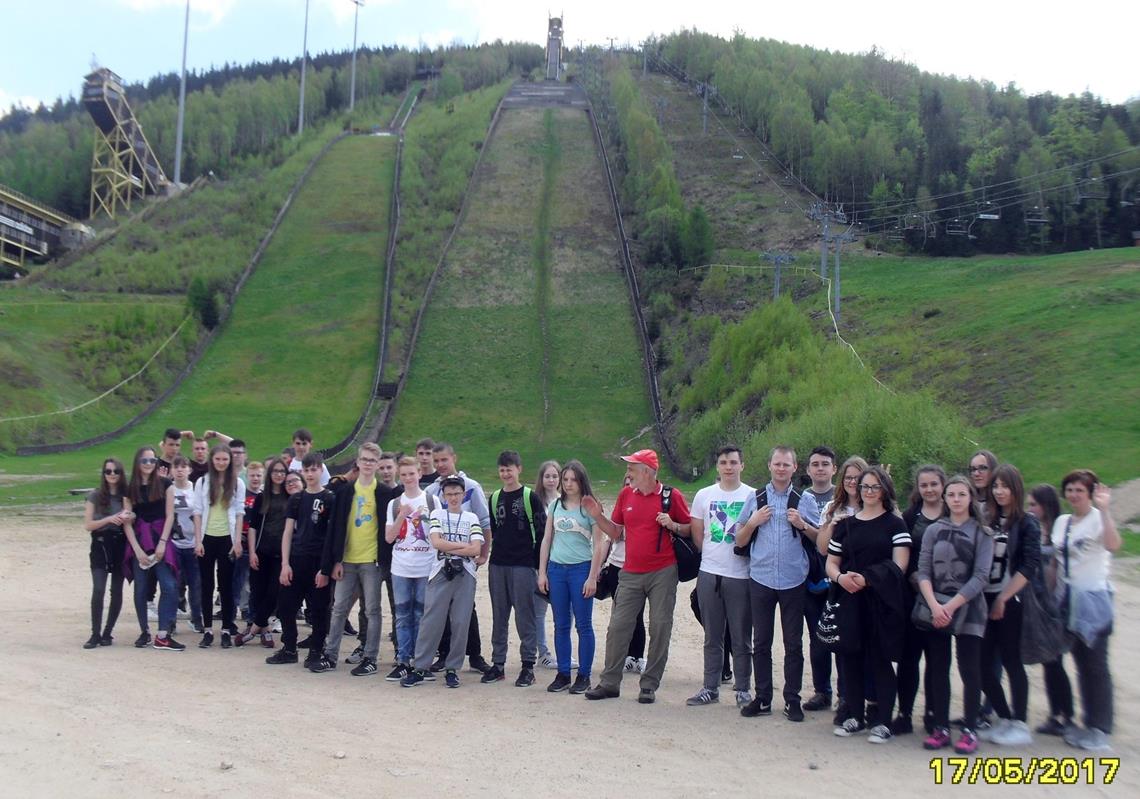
column 184, row 510
column 295, row 466
column 412, row 553
column 1089, row 561
column 462, row 527
column 723, row 513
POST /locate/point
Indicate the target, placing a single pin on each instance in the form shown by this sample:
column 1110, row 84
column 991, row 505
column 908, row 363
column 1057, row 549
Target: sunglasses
column 143, row 461
column 112, row 471
column 870, row 489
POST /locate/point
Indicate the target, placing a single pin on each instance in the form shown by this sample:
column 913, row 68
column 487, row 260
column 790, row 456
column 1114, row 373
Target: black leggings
column 99, row 580
column 216, row 552
column 938, row 676
column 854, row 667
column 913, row 645
column 1003, row 636
column 263, row 587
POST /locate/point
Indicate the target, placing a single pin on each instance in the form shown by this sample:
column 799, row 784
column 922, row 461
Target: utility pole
column 840, row 240
column 355, row 19
column 779, row 258
column 304, row 56
column 644, row 61
column 612, row 39
column 181, row 102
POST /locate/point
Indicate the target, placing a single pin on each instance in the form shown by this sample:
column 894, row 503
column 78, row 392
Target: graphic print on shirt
column 953, row 560
column 182, row 511
column 318, row 510
column 1001, row 555
column 359, row 518
column 724, row 519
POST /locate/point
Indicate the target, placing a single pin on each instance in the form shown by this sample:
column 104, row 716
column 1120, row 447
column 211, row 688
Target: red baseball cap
column 646, row 457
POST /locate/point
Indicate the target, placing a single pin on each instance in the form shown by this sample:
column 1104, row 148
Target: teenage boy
column 458, row 540
column 718, row 513
column 199, row 463
column 821, row 469
column 255, row 472
column 304, row 578
column 302, row 446
column 778, row 570
column 389, row 478
column 407, row 532
column 446, row 464
column 183, row 538
column 649, row 573
column 171, row 447
column 518, row 521
column 424, row 450
column 353, row 546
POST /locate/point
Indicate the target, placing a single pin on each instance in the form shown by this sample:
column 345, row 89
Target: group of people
column 974, row 561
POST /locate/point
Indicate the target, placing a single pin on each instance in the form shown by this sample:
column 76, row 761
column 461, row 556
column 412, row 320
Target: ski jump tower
column 123, row 165
column 554, row 40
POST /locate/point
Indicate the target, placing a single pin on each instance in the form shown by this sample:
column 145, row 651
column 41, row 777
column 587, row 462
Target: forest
column 914, row 155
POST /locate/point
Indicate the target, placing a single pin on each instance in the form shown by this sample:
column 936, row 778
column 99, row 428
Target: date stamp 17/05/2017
column 1024, row 770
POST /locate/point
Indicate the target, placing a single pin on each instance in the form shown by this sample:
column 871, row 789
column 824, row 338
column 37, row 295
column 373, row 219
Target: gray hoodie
column 956, row 559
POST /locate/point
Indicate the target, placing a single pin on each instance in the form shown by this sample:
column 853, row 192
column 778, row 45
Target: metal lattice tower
column 123, row 165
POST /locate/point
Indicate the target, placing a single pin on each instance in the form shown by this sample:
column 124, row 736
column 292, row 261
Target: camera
column 452, row 567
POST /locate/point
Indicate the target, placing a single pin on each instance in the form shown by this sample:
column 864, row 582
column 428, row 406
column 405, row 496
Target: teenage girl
column 266, row 526
column 103, row 517
column 547, row 486
column 218, row 513
column 1044, row 504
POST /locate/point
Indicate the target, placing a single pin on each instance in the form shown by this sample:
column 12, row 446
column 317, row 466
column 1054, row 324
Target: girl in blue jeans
column 569, row 562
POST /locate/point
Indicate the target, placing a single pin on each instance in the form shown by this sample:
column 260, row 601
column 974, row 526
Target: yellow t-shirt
column 218, row 525
column 363, row 527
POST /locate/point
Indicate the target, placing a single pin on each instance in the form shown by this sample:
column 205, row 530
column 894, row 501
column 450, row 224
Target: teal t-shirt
column 573, row 535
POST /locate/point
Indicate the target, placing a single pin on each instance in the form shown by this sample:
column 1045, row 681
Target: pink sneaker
column 967, row 744
column 939, row 739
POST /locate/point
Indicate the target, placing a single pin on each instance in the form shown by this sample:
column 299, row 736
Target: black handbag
column 1043, row 637
column 607, row 582
column 838, row 628
column 922, row 617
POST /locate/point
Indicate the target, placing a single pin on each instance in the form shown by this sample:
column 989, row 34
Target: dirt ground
column 119, row 720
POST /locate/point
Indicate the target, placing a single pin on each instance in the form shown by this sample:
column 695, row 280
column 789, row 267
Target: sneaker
column 349, row 630
column 151, row 611
column 275, row 625
column 548, row 661
column 92, row 642
column 428, row 676
column 366, row 668
column 600, row 691
column 267, row 640
column 818, row 701
column 168, row 644
column 880, row 734
column 988, row 732
column 726, row 677
column 581, row 684
column 647, row 696
column 561, row 683
column 356, row 656
column 282, row 656
column 967, row 742
column 493, row 674
column 1091, row 740
column 197, row 627
column 412, row 679
column 479, row 665
column 757, row 707
column 320, row 663
column 1054, row 726
column 398, row 673
column 525, row 678
column 641, row 665
column 207, row 640
column 938, row 739
column 793, row 711
column 305, row 643
column 743, row 698
column 227, row 640
column 241, row 639
column 106, row 639
column 848, row 728
column 630, row 665
column 438, row 665
column 902, row 725
column 841, row 713
column 1013, row 733
column 142, row 641
column 451, row 679
column 703, row 697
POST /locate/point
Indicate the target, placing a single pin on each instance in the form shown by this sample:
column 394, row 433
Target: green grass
column 477, row 376
column 300, row 348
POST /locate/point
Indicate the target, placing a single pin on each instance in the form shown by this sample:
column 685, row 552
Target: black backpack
column 817, row 574
column 688, row 558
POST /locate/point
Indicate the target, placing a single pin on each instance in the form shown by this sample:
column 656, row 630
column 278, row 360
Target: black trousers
column 264, row 585
column 1003, row 641
column 216, row 555
column 938, row 676
column 914, row 644
column 1058, row 689
column 1095, row 681
column 303, row 589
column 791, row 602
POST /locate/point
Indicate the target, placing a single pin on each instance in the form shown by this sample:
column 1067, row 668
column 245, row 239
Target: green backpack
column 526, row 505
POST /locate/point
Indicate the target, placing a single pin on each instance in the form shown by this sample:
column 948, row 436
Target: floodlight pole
column 304, row 56
column 181, row 102
column 355, row 19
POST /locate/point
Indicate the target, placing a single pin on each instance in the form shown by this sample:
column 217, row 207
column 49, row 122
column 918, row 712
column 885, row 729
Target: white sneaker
column 1091, row 740
column 880, row 734
column 990, row 734
column 573, row 664
column 275, row 625
column 1013, row 733
column 151, row 612
column 641, row 665
column 630, row 664
column 743, row 698
column 183, row 614
column 548, row 661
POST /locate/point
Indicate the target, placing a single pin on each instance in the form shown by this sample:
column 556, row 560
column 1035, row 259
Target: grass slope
column 303, row 334
column 478, row 373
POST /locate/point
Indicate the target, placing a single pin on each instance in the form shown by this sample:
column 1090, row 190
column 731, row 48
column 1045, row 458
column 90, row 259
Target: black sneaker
column 561, row 683
column 168, row 644
column 92, row 642
column 757, row 707
column 479, row 665
column 282, row 656
column 349, row 630
column 600, row 691
column 142, row 641
column 525, row 678
column 106, row 639
column 227, row 641
column 581, row 684
column 366, row 668
column 320, row 663
column 207, row 640
column 412, row 679
column 438, row 665
column 793, row 711
column 493, row 674
column 726, row 676
column 452, row 679
column 818, row 701
column 398, row 673
column 902, row 725
column 841, row 713
column 1054, row 726
column 647, row 696
column 305, row 642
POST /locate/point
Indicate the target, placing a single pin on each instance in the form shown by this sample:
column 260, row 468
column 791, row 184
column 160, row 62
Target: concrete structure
column 554, row 41
column 32, row 231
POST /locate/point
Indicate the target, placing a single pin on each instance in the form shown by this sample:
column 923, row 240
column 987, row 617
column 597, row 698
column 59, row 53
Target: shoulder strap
column 527, row 492
column 429, row 501
column 793, row 499
column 1065, row 545
column 666, row 498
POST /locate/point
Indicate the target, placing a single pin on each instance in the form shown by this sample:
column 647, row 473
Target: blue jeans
column 566, row 598
column 241, row 587
column 192, row 578
column 410, row 592
column 167, row 600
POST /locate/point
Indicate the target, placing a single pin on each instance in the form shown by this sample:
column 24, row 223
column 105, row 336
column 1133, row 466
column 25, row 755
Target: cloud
column 9, row 101
column 214, row 11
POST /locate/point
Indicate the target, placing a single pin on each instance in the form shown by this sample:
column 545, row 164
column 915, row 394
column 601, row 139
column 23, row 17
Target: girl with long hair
column 981, row 469
column 570, row 559
column 266, row 526
column 219, row 508
column 547, row 485
column 151, row 498
column 104, row 516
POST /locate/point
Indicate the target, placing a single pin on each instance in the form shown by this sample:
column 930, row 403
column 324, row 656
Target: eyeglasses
column 143, row 461
column 367, row 460
column 870, row 488
column 112, row 471
column 976, row 469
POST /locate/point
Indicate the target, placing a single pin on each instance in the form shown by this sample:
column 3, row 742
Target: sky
column 1062, row 51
